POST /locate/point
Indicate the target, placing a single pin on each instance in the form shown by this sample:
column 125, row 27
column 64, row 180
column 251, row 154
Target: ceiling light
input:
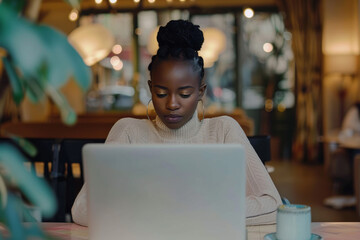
column 115, row 60
column 98, row 1
column 117, row 49
column 118, row 66
column 151, row 1
column 268, row 47
column 248, row 12
column 73, row 15
column 113, row 1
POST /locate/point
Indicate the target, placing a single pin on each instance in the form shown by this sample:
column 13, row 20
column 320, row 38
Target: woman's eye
column 185, row 95
column 161, row 95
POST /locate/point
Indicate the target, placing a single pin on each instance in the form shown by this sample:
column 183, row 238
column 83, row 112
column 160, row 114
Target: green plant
column 38, row 60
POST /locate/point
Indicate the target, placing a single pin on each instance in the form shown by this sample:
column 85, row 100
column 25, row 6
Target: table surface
column 328, row 230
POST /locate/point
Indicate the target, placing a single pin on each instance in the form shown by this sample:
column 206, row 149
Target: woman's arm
column 79, row 208
column 117, row 134
column 262, row 197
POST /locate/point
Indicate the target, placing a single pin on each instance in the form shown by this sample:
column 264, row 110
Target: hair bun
column 180, row 34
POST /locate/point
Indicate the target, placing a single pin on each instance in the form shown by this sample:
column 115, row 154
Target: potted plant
column 38, row 60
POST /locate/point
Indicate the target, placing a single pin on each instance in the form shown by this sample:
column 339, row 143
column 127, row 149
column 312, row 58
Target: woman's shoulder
column 129, row 122
column 126, row 129
column 225, row 121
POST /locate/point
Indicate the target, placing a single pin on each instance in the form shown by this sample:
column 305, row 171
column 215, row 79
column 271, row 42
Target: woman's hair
column 180, row 40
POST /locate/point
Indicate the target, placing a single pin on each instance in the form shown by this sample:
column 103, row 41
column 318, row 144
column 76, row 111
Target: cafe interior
column 287, row 71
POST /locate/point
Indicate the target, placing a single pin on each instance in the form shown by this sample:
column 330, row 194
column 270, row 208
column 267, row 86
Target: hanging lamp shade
column 153, row 45
column 93, row 42
column 214, row 44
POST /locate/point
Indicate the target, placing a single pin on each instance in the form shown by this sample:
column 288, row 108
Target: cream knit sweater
column 262, row 197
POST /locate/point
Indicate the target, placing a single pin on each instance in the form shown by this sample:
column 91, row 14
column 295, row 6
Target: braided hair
column 180, row 40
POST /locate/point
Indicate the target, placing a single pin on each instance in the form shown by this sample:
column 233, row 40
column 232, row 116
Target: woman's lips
column 173, row 118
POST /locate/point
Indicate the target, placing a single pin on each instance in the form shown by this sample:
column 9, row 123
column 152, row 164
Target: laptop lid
column 162, row 192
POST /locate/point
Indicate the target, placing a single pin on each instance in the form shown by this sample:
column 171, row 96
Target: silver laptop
column 166, row 192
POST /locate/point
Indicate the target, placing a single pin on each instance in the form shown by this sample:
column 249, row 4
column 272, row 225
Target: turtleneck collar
column 187, row 131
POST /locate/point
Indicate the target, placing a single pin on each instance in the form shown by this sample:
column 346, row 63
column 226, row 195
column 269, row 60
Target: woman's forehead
column 174, row 72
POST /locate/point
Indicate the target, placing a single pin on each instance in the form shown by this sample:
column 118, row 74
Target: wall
column 340, row 37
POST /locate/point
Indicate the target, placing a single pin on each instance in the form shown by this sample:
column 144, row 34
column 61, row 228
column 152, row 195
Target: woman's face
column 175, row 92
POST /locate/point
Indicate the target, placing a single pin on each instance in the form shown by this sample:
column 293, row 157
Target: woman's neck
column 188, row 130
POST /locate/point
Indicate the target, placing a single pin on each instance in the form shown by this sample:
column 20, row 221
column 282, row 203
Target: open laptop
column 166, row 192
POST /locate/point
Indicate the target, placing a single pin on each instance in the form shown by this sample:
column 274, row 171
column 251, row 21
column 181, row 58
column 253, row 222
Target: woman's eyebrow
column 185, row 87
column 158, row 86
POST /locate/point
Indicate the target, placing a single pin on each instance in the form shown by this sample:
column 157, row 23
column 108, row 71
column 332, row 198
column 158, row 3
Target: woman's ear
column 150, row 85
column 202, row 91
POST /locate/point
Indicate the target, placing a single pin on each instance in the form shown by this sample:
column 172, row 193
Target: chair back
column 261, row 145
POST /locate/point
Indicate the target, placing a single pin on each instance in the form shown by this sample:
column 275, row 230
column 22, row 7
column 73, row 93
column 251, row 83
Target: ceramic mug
column 293, row 222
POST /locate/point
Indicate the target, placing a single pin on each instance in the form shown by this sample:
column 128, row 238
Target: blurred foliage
column 38, row 60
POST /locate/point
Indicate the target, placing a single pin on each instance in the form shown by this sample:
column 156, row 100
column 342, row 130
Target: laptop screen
column 160, row 191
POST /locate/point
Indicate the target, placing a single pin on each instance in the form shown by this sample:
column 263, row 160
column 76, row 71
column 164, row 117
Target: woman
column 176, row 86
column 351, row 123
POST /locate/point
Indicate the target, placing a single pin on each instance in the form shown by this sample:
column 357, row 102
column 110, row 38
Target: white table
column 328, row 230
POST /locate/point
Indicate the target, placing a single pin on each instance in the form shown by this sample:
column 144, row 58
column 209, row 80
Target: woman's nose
column 172, row 103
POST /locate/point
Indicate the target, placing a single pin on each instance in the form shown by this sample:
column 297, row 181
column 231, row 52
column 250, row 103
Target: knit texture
column 262, row 198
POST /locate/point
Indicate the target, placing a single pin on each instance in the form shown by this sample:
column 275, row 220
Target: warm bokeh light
column 151, row 1
column 268, row 47
column 169, row 1
column 118, row 66
column 136, row 1
column 281, row 107
column 182, row 0
column 269, row 105
column 98, row 1
column 115, row 60
column 73, row 16
column 117, row 49
column 138, row 31
column 248, row 12
column 112, row 1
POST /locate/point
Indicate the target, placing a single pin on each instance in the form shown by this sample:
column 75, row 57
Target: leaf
column 16, row 84
column 12, row 217
column 44, row 57
column 34, row 91
column 68, row 115
column 33, row 46
column 63, row 60
column 27, row 146
column 16, row 5
column 19, row 37
column 3, row 192
column 34, row 188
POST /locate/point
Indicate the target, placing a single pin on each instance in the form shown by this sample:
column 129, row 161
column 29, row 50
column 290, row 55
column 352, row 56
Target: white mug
column 293, row 222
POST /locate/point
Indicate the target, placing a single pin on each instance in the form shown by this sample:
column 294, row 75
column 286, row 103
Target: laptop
column 166, row 192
